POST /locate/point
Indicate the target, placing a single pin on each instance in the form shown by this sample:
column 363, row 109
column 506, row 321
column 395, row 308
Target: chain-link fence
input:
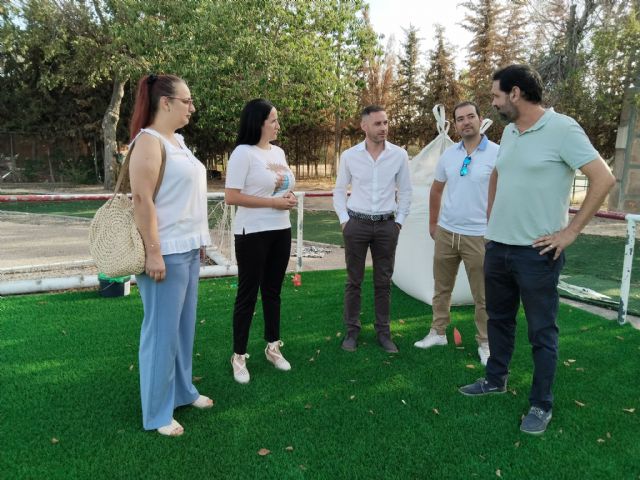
column 34, row 157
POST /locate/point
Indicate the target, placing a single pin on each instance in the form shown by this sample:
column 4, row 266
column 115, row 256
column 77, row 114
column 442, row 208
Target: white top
column 261, row 173
column 373, row 182
column 464, row 206
column 181, row 202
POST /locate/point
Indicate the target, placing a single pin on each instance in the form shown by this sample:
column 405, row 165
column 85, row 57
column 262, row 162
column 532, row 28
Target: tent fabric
column 413, row 271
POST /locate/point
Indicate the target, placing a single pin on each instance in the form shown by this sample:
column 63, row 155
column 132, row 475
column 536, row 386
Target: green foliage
column 319, row 61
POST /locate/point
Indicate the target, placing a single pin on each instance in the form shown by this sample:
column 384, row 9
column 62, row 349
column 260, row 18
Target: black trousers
column 514, row 274
column 262, row 262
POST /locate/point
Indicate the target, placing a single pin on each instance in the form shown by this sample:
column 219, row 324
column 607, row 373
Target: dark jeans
column 382, row 238
column 262, row 262
column 514, row 273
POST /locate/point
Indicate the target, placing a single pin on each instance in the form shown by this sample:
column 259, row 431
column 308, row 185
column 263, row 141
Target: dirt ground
column 27, row 239
column 32, row 239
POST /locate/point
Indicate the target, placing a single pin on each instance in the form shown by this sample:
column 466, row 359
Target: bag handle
column 124, row 172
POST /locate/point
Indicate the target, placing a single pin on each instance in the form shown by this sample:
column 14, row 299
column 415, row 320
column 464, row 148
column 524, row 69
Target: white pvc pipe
column 299, row 238
column 47, row 266
column 89, row 281
column 626, row 268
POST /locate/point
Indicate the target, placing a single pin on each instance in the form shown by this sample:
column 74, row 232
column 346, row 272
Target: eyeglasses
column 186, row 101
column 465, row 166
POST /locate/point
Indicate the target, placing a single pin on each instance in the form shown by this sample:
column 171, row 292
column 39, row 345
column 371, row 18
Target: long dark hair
column 253, row 115
column 150, row 89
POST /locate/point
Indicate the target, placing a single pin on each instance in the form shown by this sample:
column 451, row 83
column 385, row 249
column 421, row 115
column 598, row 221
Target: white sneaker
column 484, row 353
column 431, row 340
column 272, row 352
column 239, row 364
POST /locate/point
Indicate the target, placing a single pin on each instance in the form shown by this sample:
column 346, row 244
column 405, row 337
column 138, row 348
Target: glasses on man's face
column 186, row 101
column 465, row 166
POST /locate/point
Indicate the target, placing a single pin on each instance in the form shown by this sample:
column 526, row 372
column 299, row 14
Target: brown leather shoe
column 350, row 343
column 387, row 344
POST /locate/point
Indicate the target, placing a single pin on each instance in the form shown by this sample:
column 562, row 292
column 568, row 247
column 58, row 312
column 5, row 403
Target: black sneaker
column 481, row 387
column 536, row 421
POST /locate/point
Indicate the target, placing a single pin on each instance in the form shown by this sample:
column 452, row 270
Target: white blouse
column 181, row 202
column 261, row 173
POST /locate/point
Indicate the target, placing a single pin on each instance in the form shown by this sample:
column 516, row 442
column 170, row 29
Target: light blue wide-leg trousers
column 166, row 339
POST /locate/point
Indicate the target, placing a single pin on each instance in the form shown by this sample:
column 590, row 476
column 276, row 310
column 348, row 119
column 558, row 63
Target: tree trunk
column 337, row 141
column 109, row 127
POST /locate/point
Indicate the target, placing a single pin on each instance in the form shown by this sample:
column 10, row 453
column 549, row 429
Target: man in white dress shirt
column 371, row 218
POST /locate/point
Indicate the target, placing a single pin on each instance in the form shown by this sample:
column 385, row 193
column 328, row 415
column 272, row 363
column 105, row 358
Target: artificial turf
column 69, row 397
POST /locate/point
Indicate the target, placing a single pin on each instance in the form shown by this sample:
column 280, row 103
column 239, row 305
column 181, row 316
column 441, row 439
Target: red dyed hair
column 150, row 89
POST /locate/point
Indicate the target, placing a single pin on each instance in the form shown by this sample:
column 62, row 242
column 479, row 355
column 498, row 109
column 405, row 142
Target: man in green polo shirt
column 528, row 231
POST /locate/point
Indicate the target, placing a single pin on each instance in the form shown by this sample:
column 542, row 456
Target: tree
column 483, row 20
column 440, row 83
column 513, row 39
column 406, row 111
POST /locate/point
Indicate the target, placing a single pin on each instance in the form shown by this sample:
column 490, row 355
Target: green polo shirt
column 535, row 174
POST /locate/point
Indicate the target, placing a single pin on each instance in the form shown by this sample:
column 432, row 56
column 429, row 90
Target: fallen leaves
column 289, row 448
column 401, row 322
column 131, row 367
column 196, row 379
column 403, row 402
column 352, row 397
column 498, row 473
column 436, row 411
column 470, row 366
column 338, row 334
column 264, row 452
column 629, row 410
column 54, row 441
column 619, row 337
column 580, row 404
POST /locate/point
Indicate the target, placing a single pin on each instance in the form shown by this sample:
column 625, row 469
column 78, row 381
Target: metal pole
column 626, row 268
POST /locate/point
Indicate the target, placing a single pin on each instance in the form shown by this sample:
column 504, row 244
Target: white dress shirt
column 373, row 182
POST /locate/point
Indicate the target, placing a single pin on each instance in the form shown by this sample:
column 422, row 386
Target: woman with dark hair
column 261, row 184
column 174, row 229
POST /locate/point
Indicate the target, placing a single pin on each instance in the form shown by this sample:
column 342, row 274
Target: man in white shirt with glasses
column 458, row 224
column 371, row 218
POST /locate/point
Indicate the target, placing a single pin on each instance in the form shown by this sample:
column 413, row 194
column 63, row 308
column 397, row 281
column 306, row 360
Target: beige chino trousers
column 450, row 250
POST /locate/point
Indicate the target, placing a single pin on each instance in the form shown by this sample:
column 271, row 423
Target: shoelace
column 275, row 350
column 538, row 412
column 242, row 368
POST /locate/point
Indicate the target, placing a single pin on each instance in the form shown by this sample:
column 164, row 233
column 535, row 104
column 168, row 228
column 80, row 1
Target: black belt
column 380, row 217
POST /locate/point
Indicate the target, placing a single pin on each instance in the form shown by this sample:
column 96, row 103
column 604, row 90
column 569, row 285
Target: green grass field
column 69, row 396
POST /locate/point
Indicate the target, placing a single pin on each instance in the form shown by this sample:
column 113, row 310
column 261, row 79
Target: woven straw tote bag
column 114, row 240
